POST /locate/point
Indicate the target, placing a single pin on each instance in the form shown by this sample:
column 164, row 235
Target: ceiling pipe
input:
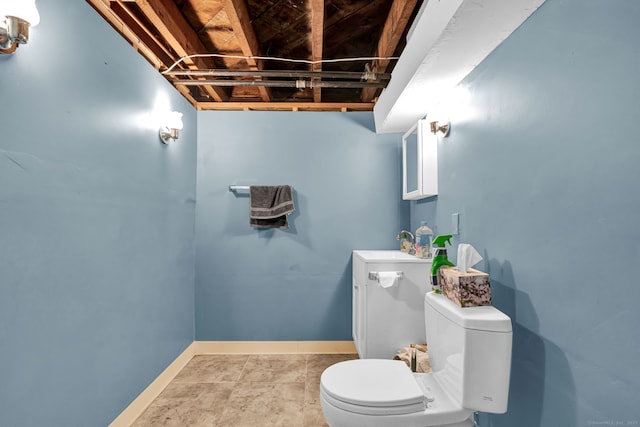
column 300, row 84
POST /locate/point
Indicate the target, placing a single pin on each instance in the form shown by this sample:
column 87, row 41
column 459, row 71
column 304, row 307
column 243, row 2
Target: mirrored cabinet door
column 419, row 162
column 411, row 154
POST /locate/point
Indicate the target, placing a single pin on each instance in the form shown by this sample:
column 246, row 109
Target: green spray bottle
column 439, row 259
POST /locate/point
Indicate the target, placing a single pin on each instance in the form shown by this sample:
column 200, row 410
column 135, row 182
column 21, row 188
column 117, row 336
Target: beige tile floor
column 258, row 390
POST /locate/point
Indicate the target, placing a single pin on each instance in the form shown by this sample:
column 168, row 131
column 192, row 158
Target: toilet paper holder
column 373, row 275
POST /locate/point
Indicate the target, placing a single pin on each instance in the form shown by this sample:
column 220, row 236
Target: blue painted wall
column 97, row 224
column 542, row 165
column 97, row 217
column 290, row 284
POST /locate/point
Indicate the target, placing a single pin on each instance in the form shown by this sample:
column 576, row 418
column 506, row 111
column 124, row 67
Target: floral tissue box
column 468, row 289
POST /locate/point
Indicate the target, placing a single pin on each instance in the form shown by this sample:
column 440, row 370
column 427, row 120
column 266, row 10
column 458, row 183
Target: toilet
column 470, row 355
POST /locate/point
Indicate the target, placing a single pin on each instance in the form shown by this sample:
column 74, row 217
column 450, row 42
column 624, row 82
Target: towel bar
column 236, row 188
column 373, row 275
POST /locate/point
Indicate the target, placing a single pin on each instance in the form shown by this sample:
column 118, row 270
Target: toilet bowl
column 470, row 355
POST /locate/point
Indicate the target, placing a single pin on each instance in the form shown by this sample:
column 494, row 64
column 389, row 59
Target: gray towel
column 270, row 206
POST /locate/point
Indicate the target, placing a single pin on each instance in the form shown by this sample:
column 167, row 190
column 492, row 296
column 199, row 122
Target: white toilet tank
column 470, row 352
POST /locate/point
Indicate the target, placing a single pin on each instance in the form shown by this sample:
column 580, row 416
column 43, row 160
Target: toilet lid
column 373, row 383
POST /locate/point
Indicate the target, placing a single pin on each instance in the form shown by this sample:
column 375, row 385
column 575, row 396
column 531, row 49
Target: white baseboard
column 275, row 347
column 137, row 407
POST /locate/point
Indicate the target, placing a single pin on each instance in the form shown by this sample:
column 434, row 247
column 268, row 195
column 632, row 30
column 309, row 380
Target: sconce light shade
column 16, row 17
column 23, row 9
column 442, row 128
column 172, row 124
column 174, row 120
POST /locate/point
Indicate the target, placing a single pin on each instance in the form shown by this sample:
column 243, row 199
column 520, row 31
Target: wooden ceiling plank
column 317, row 38
column 167, row 18
column 202, row 13
column 238, row 15
column 282, row 17
column 287, row 106
column 394, row 27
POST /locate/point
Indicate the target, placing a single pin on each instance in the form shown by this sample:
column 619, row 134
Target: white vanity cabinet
column 387, row 319
column 419, row 162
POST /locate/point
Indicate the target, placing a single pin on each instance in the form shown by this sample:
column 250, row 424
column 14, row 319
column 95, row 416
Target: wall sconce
column 16, row 17
column 442, row 128
column 171, row 127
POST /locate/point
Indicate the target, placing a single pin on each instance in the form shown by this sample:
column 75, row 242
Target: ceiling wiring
column 272, row 58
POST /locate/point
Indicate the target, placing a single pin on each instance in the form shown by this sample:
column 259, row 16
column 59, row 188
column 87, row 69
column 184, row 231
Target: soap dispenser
column 424, row 238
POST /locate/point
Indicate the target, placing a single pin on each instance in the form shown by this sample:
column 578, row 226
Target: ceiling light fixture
column 16, row 18
column 442, row 128
column 170, row 129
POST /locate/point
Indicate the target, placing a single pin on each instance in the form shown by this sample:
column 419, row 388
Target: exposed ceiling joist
column 135, row 34
column 394, row 27
column 245, row 35
column 143, row 34
column 103, row 7
column 317, row 37
column 167, row 18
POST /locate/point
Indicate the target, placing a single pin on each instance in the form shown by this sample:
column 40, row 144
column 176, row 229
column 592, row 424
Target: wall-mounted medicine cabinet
column 419, row 162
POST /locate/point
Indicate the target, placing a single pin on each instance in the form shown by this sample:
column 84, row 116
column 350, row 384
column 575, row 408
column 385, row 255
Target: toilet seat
column 380, row 393
column 372, row 386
